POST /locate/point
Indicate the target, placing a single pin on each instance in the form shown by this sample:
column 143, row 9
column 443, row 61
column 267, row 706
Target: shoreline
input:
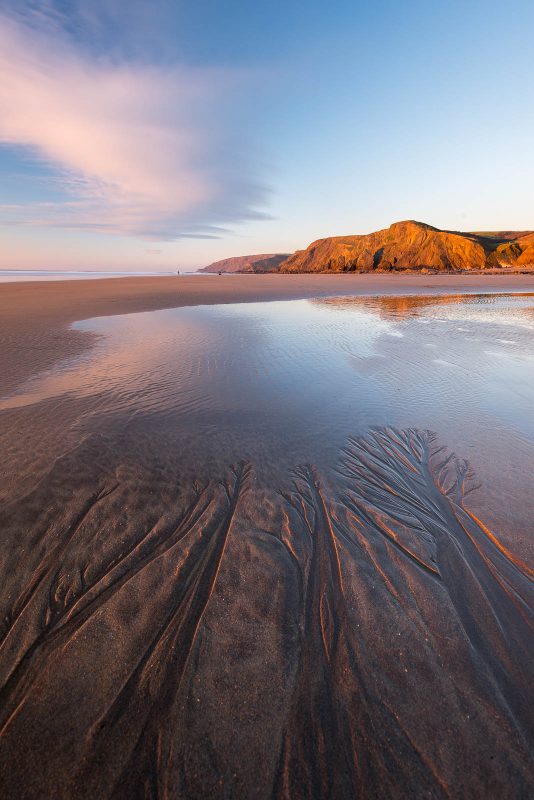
column 35, row 316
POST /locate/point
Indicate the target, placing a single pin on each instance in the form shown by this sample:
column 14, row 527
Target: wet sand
column 174, row 626
column 34, row 317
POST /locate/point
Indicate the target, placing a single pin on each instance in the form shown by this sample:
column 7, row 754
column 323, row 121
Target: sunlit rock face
column 414, row 245
column 518, row 251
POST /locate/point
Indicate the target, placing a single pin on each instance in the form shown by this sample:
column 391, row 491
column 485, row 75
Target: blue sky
column 157, row 135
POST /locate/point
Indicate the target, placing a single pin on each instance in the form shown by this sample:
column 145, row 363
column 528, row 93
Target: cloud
column 137, row 148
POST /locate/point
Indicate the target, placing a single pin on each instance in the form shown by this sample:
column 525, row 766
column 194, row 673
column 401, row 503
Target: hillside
column 519, row 252
column 258, row 263
column 414, row 245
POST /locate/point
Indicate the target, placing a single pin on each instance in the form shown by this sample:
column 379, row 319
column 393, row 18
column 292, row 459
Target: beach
column 266, row 536
column 34, row 317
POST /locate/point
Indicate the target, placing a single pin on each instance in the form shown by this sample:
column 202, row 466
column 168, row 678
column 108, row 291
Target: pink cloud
column 141, row 150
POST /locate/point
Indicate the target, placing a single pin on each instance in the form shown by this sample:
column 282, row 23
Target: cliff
column 257, row 263
column 414, row 245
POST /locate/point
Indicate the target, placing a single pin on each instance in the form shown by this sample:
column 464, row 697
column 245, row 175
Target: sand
column 336, row 633
column 34, row 317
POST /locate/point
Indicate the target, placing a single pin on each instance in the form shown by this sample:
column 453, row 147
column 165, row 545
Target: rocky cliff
column 414, row 245
column 257, row 263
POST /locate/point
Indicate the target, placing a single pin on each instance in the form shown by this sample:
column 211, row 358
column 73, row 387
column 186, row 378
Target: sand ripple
column 358, row 633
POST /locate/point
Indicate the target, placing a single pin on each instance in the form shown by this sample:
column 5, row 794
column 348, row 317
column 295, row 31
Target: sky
column 167, row 134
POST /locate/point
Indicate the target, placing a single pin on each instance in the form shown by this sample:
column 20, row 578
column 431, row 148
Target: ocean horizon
column 10, row 275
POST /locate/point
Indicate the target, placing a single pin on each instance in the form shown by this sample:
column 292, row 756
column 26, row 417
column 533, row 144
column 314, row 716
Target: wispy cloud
column 140, row 149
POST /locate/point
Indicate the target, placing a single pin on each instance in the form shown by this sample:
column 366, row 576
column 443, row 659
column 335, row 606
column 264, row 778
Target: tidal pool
column 286, row 383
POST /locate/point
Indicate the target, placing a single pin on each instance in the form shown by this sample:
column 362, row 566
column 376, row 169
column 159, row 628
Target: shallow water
column 242, row 560
column 286, row 383
column 24, row 275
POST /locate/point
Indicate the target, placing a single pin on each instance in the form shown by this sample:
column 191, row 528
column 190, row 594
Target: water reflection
column 514, row 306
column 286, row 382
column 388, row 307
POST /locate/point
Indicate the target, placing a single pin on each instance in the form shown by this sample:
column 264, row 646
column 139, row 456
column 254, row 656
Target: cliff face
column 406, row 245
column 414, row 245
column 258, row 263
column 518, row 252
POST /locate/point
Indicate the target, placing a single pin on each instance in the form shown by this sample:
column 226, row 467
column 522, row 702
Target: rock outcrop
column 257, row 263
column 414, row 245
column 517, row 252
